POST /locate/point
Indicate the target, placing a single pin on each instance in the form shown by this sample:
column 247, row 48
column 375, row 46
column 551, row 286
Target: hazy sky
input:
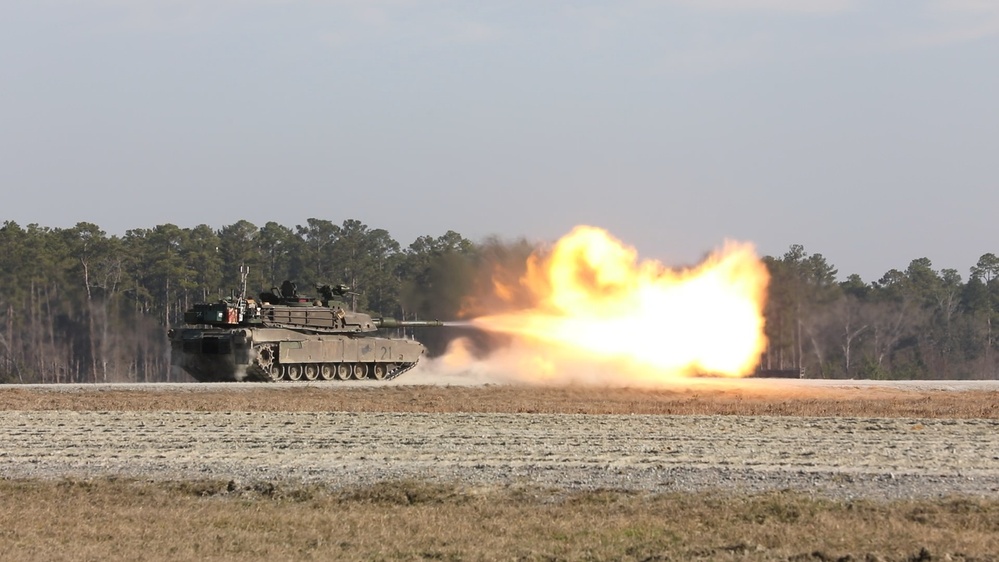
column 866, row 130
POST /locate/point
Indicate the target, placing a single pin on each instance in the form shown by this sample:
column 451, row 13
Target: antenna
column 244, row 270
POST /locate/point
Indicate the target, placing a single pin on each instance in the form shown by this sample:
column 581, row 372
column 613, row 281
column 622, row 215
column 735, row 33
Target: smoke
column 497, row 282
column 469, row 362
column 520, row 362
column 458, row 284
column 460, row 366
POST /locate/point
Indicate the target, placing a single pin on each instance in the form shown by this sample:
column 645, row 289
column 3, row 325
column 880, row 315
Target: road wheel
column 360, row 371
column 326, row 372
column 378, row 371
column 343, row 371
column 294, row 372
column 311, row 372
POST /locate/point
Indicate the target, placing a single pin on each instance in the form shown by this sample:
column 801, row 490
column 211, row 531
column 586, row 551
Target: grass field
column 108, row 518
column 204, row 520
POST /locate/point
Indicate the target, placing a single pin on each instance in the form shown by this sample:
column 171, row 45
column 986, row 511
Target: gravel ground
column 876, row 458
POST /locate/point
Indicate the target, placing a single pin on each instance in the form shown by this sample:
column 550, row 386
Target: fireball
column 598, row 314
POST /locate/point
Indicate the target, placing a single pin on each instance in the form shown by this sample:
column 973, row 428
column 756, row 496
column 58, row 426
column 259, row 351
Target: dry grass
column 843, row 402
column 121, row 520
column 107, row 519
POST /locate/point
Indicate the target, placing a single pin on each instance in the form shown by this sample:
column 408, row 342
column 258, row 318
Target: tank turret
column 283, row 335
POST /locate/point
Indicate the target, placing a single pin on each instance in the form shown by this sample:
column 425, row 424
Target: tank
column 285, row 336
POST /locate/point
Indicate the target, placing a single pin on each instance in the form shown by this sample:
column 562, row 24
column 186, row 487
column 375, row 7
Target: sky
column 865, row 130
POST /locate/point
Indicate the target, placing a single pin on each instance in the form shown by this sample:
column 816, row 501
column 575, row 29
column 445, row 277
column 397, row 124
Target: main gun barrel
column 393, row 323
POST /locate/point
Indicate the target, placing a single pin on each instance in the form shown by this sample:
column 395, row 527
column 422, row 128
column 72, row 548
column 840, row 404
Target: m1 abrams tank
column 285, row 336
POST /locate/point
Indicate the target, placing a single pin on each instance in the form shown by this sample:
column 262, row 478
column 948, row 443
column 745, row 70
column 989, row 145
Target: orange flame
column 602, row 316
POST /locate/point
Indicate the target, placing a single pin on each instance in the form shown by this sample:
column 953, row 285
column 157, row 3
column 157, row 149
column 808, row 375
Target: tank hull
column 270, row 354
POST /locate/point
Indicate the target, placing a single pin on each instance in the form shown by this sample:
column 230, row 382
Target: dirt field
column 840, row 442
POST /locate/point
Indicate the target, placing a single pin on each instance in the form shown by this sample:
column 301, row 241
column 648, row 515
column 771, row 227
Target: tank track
column 403, row 367
column 261, row 366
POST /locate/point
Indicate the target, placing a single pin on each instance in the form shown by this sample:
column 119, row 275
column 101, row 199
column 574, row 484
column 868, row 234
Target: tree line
column 916, row 323
column 78, row 305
